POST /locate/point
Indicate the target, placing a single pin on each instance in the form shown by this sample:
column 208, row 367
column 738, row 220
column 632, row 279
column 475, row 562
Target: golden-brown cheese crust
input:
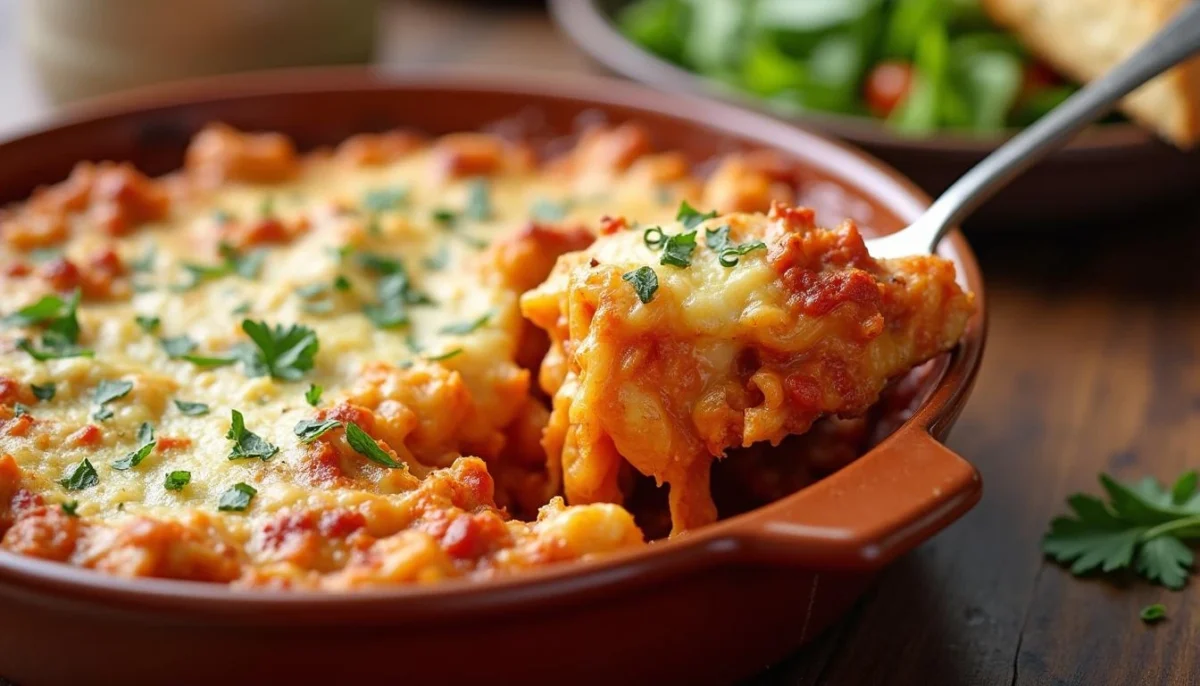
column 725, row 356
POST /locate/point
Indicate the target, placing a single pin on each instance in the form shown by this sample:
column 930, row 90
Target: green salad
column 921, row 65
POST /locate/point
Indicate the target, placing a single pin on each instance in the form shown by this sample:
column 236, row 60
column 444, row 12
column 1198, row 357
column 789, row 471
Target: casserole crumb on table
column 313, row 371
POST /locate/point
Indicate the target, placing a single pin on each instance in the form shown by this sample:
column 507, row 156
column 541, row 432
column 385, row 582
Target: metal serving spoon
column 1176, row 42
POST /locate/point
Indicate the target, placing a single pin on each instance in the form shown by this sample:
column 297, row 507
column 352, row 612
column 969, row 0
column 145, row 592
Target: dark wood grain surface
column 1093, row 364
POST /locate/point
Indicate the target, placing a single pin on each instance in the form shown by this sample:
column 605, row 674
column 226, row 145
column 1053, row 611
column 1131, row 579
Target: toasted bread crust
column 1085, row 38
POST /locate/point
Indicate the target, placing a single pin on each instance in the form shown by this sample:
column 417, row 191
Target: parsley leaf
column 1153, row 613
column 237, row 498
column 178, row 346
column 70, row 508
column 145, row 263
column 43, row 392
column 146, row 443
column 438, row 260
column 479, row 200
column 20, row 409
column 547, row 210
column 678, row 249
column 108, row 391
column 175, row 481
column 313, row 394
column 309, row 430
column 645, row 282
column 1142, row 527
column 149, row 324
column 191, row 409
column 384, row 199
column 727, row 251
column 691, row 217
column 247, row 444
column 52, row 348
column 463, row 328
column 61, row 334
column 446, row 355
column 81, row 477
column 284, row 353
column 366, row 446
column 394, row 291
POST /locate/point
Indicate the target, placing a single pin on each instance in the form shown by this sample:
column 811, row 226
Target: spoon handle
column 1177, row 41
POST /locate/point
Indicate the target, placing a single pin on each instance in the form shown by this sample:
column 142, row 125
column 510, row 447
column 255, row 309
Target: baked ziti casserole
column 404, row 360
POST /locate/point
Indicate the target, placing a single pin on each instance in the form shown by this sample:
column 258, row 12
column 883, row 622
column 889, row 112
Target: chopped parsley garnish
column 438, row 260
column 463, row 328
column 547, row 210
column 446, row 355
column 313, row 395
column 145, row 263
column 447, row 218
column 175, row 481
column 178, row 346
column 247, row 266
column 106, row 392
column 191, row 409
column 146, row 443
column 241, row 309
column 1153, row 613
column 366, row 446
column 394, row 291
column 385, row 199
column 309, row 430
column 222, row 216
column 149, row 324
column 20, row 409
column 341, row 283
column 654, row 237
column 311, row 290
column 678, row 249
column 479, row 200
column 237, row 498
column 266, row 208
column 70, row 508
column 645, row 282
column 247, row 444
column 691, row 217
column 1142, row 526
column 412, row 344
column 81, row 477
column 43, row 392
column 284, row 353
column 61, row 335
column 727, row 251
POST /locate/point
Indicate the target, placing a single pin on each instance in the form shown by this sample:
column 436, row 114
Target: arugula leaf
column 146, row 443
column 463, row 328
column 149, row 324
column 313, row 394
column 43, row 392
column 283, row 353
column 645, row 282
column 678, row 249
column 175, row 481
column 237, row 498
column 1142, row 527
column 366, row 446
column 247, row 444
column 191, row 409
column 309, row 430
column 81, row 477
column 691, row 217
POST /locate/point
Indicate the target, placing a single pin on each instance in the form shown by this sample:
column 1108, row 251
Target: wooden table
column 1093, row 365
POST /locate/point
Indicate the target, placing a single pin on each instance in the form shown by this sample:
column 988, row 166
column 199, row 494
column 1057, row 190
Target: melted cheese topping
column 401, row 263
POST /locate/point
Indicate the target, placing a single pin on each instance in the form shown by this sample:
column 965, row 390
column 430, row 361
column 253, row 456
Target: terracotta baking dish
column 711, row 606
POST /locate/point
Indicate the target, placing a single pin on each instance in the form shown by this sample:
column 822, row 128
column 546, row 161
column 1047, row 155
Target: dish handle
column 871, row 511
